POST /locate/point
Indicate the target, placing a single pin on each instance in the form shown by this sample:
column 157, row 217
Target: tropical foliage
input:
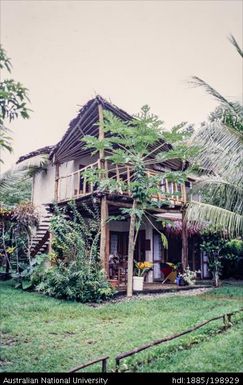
column 14, row 189
column 72, row 270
column 17, row 226
column 221, row 163
column 139, row 144
column 13, row 102
column 221, row 252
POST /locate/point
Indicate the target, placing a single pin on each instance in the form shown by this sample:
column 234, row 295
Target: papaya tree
column 139, row 144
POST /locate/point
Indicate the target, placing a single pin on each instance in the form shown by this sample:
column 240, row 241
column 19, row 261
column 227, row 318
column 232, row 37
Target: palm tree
column 23, row 171
column 220, row 160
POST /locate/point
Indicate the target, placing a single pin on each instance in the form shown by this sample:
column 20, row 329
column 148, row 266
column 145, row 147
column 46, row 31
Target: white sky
column 132, row 52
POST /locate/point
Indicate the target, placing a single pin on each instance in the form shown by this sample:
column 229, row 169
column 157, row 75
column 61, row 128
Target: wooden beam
column 129, row 205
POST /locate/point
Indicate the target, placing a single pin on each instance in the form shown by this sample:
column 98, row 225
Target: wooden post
column 131, row 246
column 104, row 234
column 184, row 241
column 194, row 244
column 176, row 190
column 167, row 190
column 101, row 130
column 57, row 174
column 183, row 193
column 128, row 179
column 117, row 173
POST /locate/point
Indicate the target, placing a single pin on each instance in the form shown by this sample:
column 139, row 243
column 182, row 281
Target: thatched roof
column 71, row 147
column 40, row 151
column 174, row 227
column 86, row 123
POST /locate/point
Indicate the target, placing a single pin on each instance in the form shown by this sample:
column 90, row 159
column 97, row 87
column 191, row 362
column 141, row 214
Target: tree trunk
column 184, row 240
column 216, row 273
column 131, row 246
column 216, row 278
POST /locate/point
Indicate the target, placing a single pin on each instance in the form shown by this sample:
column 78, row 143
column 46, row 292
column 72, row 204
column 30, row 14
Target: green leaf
column 164, row 241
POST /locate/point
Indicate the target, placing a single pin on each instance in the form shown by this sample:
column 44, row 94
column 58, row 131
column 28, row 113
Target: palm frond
column 198, row 82
column 221, row 151
column 227, row 195
column 34, row 165
column 9, row 177
column 198, row 212
column 236, row 45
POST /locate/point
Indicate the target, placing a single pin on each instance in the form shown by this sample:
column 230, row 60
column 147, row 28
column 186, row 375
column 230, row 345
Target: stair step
column 41, row 231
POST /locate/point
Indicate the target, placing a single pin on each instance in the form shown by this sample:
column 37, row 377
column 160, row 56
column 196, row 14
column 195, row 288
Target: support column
column 105, row 233
column 104, row 236
column 184, row 239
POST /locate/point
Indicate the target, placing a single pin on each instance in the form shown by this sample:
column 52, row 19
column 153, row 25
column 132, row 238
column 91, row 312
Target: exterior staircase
column 40, row 241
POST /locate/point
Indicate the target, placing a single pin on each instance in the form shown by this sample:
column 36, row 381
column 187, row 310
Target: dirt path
column 148, row 297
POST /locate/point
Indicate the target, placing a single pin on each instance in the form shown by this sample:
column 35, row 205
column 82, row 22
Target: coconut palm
column 23, row 171
column 220, row 160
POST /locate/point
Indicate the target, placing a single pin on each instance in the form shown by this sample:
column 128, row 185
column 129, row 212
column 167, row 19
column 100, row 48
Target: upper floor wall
column 43, row 187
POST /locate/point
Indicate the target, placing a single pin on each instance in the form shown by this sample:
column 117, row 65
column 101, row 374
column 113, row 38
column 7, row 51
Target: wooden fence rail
column 226, row 319
column 103, row 361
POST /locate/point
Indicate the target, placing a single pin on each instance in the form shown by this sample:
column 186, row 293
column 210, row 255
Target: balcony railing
column 76, row 184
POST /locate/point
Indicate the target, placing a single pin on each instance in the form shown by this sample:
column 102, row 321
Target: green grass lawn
column 49, row 335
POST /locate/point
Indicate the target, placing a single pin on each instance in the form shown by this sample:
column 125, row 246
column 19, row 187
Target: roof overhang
column 170, row 216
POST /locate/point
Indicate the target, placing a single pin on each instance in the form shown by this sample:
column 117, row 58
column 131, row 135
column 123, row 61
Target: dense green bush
column 74, row 272
column 75, row 282
column 225, row 256
column 33, row 274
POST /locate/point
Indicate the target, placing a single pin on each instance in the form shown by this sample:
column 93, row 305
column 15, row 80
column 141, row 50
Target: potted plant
column 141, row 268
column 188, row 277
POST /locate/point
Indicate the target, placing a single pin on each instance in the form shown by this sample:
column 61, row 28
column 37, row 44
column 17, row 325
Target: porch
column 159, row 288
column 166, row 262
column 77, row 184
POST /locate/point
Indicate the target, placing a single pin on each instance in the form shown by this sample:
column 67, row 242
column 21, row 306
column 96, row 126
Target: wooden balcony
column 76, row 184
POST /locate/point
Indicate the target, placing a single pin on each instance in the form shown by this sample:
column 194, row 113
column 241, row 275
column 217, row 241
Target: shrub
column 75, row 282
column 31, row 276
column 76, row 272
column 189, row 276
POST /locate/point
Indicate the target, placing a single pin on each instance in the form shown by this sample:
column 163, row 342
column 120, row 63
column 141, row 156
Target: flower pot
column 138, row 283
column 114, row 283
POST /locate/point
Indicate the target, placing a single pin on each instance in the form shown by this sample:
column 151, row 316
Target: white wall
column 43, row 187
column 44, row 183
column 68, row 187
column 149, row 253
